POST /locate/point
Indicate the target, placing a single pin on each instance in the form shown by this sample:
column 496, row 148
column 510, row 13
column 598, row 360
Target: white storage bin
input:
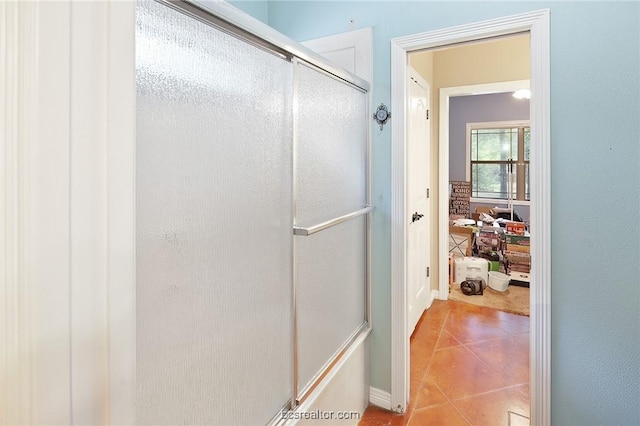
column 498, row 281
column 470, row 267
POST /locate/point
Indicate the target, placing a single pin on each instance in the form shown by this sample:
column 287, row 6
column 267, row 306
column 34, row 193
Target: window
column 499, row 160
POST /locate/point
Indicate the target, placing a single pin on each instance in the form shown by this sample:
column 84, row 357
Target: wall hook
column 381, row 115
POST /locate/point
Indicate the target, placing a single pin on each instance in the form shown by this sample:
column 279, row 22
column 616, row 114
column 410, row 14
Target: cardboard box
column 517, row 257
column 488, row 239
column 519, row 268
column 484, row 209
column 520, row 279
column 521, row 240
column 518, row 248
column 516, row 228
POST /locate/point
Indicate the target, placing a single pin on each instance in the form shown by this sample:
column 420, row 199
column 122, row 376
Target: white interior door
column 350, row 50
column 418, row 211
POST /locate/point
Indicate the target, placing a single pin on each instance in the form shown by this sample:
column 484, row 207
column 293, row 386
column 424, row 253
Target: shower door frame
column 236, row 23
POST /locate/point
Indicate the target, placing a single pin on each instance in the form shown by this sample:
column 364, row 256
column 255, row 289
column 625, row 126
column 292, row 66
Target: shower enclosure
column 252, row 213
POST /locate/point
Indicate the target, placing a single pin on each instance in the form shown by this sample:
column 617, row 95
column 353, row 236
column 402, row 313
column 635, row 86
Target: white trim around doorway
column 537, row 24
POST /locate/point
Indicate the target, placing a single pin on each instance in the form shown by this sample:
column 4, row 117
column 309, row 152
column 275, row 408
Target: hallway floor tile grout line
column 469, row 366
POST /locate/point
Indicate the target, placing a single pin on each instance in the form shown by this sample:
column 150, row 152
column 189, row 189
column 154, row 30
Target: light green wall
column 595, row 169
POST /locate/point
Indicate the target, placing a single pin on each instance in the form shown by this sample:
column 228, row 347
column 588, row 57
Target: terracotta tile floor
column 469, row 366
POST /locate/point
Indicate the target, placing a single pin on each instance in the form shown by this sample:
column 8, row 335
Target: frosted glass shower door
column 331, row 182
column 214, row 316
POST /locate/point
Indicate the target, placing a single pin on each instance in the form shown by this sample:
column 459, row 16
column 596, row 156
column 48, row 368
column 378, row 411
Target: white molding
column 88, row 212
column 35, row 287
column 399, row 309
column 68, row 70
column 537, row 24
column 443, row 194
column 121, row 122
column 486, row 88
column 102, row 216
column 540, row 219
column 380, row 398
column 48, row 214
column 467, row 148
column 492, row 124
column 435, row 294
column 16, row 87
column 499, row 202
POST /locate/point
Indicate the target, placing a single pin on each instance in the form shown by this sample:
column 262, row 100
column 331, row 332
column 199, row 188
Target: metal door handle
column 328, row 224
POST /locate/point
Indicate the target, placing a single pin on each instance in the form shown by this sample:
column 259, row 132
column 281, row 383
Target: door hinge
column 427, row 114
column 427, row 192
column 427, row 272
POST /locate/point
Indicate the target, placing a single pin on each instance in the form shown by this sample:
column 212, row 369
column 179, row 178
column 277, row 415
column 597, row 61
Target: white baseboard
column 380, row 398
column 435, row 294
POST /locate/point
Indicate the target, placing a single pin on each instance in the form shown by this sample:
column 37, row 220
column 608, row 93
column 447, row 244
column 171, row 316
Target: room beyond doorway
column 492, row 66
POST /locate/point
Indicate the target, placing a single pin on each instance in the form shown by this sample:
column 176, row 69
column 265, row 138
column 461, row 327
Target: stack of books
column 517, row 253
column 489, row 240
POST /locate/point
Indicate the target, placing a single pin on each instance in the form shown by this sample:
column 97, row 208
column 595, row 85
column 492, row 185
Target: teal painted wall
column 595, row 169
column 259, row 9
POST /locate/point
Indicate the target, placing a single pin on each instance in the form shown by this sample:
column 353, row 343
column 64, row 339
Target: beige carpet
column 515, row 300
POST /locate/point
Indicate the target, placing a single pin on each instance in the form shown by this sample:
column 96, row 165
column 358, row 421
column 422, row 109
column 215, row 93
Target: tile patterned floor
column 469, row 366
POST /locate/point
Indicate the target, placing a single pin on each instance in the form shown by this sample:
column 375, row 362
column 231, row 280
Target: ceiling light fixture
column 522, row 94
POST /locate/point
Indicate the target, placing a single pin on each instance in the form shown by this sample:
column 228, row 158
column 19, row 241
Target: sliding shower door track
column 238, row 24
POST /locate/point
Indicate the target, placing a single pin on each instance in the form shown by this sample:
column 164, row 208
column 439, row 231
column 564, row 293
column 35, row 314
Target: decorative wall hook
column 381, row 115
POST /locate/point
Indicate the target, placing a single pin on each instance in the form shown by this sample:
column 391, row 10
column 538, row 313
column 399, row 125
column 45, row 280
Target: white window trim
column 499, row 201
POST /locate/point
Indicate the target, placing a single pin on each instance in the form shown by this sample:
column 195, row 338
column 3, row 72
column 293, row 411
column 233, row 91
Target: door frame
column 537, row 24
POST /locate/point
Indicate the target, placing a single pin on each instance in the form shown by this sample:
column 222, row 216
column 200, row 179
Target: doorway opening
column 536, row 25
column 477, row 94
